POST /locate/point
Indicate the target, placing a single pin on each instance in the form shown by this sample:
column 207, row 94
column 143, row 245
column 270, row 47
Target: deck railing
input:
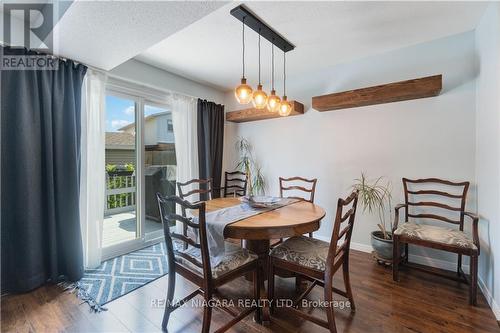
column 120, row 194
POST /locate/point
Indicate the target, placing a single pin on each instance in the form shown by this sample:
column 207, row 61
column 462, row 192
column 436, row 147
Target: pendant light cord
column 284, row 73
column 243, row 42
column 272, row 65
column 259, row 56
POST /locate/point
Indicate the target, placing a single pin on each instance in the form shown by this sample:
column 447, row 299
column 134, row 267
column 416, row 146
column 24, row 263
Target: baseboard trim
column 489, row 298
column 437, row 263
column 361, row 247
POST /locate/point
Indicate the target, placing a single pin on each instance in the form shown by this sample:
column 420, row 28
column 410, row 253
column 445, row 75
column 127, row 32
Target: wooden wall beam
column 386, row 93
column 253, row 114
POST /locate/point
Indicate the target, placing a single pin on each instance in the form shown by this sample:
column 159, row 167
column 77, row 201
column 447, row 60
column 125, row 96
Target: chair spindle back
column 420, row 188
column 287, row 184
column 204, row 189
column 342, row 231
column 235, row 184
column 173, row 253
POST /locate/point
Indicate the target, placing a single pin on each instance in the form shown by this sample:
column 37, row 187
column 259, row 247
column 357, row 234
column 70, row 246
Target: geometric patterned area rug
column 121, row 275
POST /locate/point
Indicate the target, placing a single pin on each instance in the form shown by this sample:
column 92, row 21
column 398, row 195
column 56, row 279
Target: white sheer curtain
column 92, row 174
column 184, row 119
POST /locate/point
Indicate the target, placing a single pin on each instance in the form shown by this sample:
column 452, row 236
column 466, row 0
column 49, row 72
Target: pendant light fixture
column 274, row 101
column 243, row 92
column 259, row 98
column 285, row 107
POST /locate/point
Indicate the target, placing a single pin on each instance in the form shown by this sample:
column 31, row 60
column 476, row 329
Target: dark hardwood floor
column 419, row 303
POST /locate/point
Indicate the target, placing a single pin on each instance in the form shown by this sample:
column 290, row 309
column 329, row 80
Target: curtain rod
column 147, row 86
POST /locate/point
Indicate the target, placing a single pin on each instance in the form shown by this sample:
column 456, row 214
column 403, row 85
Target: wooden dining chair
column 306, row 189
column 293, row 184
column 235, row 184
column 193, row 263
column 449, row 208
column 318, row 261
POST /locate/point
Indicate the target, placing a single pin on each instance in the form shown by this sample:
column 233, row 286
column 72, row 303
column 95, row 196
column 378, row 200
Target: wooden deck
column 121, row 227
column 419, row 303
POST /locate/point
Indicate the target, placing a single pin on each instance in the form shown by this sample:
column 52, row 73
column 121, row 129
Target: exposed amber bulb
column 243, row 92
column 259, row 99
column 285, row 107
column 273, row 102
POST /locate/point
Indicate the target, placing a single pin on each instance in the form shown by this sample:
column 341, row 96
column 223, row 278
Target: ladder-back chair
column 193, row 263
column 422, row 196
column 318, row 261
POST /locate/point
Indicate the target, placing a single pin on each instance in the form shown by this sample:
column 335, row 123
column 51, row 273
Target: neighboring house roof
column 120, row 140
column 150, row 117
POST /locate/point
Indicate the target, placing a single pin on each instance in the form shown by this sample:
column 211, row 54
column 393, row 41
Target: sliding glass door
column 120, row 210
column 159, row 162
column 140, row 161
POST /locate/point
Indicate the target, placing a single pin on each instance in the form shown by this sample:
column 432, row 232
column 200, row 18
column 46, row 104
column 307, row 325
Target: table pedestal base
column 261, row 248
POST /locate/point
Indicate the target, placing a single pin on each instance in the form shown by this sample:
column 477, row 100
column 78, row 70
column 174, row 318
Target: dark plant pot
column 383, row 247
column 120, row 173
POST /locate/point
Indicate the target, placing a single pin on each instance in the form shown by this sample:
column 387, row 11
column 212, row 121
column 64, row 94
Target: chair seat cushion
column 304, row 251
column 435, row 234
column 233, row 258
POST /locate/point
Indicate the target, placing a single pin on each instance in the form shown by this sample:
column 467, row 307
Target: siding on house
column 158, row 128
column 158, row 139
column 120, row 156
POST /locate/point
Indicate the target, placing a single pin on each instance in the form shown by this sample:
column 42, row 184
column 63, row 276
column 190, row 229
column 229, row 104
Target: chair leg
column 459, row 265
column 256, row 293
column 407, row 253
column 347, row 283
column 170, row 297
column 270, row 284
column 207, row 314
column 473, row 280
column 329, row 308
column 395, row 258
column 298, row 283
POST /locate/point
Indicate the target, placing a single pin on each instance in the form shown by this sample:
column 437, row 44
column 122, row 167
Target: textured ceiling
column 104, row 34
column 325, row 33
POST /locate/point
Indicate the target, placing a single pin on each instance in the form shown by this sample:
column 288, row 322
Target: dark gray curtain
column 210, row 143
column 40, row 124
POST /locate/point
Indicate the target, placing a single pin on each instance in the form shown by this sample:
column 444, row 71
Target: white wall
column 433, row 137
column 488, row 151
column 144, row 74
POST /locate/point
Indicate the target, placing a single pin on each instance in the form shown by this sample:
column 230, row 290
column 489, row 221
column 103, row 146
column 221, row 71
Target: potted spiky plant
column 375, row 198
column 256, row 184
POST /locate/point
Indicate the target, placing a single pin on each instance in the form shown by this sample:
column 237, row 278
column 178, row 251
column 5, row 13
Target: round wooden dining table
column 257, row 231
